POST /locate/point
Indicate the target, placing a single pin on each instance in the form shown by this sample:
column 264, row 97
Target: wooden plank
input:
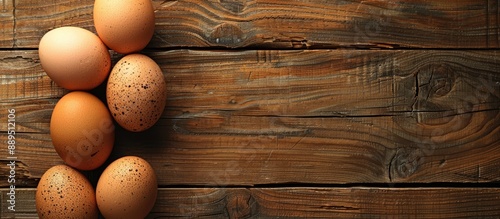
column 299, row 83
column 7, row 24
column 286, row 24
column 35, row 18
column 265, row 117
column 23, row 78
column 24, row 203
column 296, row 202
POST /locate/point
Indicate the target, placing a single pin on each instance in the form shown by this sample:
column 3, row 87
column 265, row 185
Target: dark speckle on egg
column 138, row 86
column 126, row 179
column 73, row 191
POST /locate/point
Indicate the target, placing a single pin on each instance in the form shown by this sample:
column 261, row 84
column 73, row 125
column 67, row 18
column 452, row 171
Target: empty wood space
column 295, row 109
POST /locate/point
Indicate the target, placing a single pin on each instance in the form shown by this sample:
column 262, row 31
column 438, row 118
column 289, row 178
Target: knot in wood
column 227, row 35
column 240, row 203
column 434, row 80
column 432, row 83
column 406, row 162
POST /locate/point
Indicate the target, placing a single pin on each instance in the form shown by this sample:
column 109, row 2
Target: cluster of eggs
column 82, row 126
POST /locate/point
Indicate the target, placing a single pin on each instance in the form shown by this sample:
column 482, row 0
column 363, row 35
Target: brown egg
column 82, row 130
column 74, row 58
column 127, row 189
column 125, row 26
column 63, row 192
column 136, row 92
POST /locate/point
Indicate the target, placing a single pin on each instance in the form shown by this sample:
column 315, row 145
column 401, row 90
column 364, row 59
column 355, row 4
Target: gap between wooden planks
column 299, row 202
column 306, row 116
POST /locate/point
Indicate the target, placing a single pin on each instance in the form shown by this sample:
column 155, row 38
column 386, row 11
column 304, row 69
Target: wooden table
column 289, row 108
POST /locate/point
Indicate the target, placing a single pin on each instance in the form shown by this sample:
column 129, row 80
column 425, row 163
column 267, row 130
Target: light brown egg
column 125, row 26
column 127, row 189
column 63, row 192
column 136, row 92
column 74, row 58
column 82, row 130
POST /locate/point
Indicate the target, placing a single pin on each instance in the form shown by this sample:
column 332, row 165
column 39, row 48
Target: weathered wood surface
column 278, row 24
column 299, row 202
column 7, row 24
column 314, row 116
column 244, row 127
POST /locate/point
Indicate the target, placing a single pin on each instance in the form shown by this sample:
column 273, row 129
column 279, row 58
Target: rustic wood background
column 289, row 108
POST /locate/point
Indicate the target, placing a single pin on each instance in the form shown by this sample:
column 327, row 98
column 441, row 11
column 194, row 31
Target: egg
column 63, row 192
column 127, row 188
column 74, row 58
column 82, row 130
column 126, row 26
column 136, row 92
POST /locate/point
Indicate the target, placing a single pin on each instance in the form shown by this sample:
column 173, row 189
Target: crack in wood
column 339, row 208
column 417, row 91
column 390, row 168
column 22, row 173
column 16, row 58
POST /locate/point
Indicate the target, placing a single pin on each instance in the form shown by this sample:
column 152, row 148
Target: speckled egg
column 63, row 192
column 136, row 92
column 127, row 189
column 125, row 26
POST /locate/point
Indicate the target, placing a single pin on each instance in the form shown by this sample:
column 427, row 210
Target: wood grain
column 303, row 202
column 314, row 116
column 35, row 18
column 281, row 24
column 400, row 120
column 7, row 24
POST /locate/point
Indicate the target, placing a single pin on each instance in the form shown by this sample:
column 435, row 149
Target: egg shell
column 127, row 188
column 136, row 92
column 74, row 58
column 63, row 192
column 125, row 26
column 82, row 130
